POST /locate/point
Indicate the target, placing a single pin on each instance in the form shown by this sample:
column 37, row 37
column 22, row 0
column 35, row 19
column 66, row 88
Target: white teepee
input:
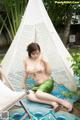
column 37, row 26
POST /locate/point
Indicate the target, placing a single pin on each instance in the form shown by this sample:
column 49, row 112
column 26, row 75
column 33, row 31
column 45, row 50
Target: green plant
column 76, row 65
column 10, row 16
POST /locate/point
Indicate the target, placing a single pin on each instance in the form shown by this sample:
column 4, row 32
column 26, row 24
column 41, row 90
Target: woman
column 39, row 69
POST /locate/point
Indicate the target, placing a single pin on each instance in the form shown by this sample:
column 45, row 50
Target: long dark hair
column 33, row 47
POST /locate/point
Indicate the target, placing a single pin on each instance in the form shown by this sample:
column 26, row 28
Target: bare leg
column 48, row 97
column 33, row 97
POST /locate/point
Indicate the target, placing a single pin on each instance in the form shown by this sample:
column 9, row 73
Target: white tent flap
column 37, row 26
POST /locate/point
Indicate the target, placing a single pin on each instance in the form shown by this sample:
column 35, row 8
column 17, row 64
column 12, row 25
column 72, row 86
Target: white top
column 35, row 66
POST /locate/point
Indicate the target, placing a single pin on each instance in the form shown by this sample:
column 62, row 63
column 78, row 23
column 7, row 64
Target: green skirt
column 46, row 86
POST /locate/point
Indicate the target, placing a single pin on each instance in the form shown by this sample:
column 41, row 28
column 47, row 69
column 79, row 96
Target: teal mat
column 59, row 91
column 33, row 107
column 19, row 114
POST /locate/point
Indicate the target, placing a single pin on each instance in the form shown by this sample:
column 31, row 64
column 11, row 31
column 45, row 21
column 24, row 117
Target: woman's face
column 35, row 55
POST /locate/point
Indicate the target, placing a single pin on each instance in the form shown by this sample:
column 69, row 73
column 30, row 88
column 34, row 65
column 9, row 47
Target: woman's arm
column 47, row 67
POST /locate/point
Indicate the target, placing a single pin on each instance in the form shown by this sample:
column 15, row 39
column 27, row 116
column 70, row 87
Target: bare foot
column 55, row 105
column 68, row 105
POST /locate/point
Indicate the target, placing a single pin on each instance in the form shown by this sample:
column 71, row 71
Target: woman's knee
column 38, row 93
column 30, row 96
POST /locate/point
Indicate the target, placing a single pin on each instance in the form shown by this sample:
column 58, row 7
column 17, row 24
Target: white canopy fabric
column 36, row 26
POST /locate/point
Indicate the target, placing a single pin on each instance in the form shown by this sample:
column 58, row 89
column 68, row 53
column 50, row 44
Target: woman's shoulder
column 26, row 60
column 44, row 59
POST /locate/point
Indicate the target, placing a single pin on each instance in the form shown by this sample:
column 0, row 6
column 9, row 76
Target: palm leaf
column 13, row 10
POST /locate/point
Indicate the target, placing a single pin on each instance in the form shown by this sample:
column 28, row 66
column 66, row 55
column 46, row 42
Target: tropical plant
column 59, row 13
column 76, row 65
column 11, row 12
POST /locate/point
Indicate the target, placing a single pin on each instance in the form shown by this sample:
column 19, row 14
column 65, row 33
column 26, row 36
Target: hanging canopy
column 36, row 26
